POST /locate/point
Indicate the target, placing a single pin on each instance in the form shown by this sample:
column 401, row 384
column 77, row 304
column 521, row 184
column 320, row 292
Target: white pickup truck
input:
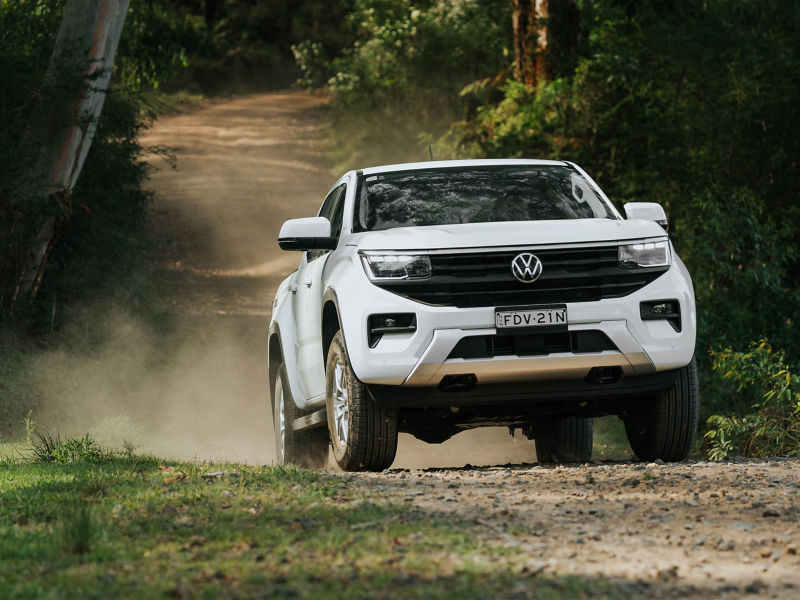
column 436, row 297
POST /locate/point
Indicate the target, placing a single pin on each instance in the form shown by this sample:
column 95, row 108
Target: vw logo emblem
column 526, row 267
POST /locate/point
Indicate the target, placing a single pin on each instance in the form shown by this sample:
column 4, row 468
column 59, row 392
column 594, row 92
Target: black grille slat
column 470, row 280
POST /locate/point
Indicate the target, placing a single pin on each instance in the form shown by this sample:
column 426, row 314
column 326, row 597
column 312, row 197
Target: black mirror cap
column 303, row 244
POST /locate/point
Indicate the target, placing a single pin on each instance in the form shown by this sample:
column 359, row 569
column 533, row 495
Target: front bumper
column 420, row 359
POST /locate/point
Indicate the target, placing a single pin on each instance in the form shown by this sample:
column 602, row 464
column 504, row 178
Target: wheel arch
column 331, row 321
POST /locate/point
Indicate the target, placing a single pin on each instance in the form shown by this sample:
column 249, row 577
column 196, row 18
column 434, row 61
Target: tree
column 62, row 129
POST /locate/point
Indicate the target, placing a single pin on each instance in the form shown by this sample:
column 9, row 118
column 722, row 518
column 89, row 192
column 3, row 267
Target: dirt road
column 246, row 165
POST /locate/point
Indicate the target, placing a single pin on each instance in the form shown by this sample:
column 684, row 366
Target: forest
column 686, row 103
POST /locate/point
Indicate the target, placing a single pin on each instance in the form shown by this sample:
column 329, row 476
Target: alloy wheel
column 341, row 408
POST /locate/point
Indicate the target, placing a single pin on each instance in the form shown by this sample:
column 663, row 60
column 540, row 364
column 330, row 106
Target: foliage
column 247, row 46
column 402, row 74
column 773, row 424
column 151, row 50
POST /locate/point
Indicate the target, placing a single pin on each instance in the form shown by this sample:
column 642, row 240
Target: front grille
column 485, row 279
column 535, row 344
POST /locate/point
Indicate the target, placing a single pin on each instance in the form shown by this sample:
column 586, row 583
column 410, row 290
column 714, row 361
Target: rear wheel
column 666, row 426
column 566, row 440
column 307, row 449
column 363, row 433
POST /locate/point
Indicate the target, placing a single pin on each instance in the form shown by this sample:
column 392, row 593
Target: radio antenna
column 430, row 149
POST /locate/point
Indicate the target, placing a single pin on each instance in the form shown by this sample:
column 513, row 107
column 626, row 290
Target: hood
column 517, row 233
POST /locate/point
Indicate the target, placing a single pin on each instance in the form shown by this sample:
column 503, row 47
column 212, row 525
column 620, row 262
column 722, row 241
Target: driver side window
column 333, row 210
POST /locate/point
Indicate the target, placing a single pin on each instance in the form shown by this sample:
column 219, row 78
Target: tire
column 308, row 449
column 566, row 440
column 363, row 433
column 667, row 427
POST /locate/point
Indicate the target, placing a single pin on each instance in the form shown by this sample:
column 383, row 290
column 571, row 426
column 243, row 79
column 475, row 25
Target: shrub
column 773, row 425
column 47, row 447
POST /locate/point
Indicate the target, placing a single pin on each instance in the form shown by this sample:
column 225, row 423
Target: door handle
column 293, row 288
column 309, row 281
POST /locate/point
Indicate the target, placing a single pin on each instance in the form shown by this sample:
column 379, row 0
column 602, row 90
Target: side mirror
column 312, row 233
column 649, row 211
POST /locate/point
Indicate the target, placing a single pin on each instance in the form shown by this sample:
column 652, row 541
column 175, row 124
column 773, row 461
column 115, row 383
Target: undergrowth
column 772, row 424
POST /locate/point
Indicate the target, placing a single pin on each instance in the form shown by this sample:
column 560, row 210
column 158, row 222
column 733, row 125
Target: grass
column 139, row 527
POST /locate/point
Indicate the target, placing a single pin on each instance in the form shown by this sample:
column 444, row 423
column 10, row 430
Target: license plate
column 518, row 319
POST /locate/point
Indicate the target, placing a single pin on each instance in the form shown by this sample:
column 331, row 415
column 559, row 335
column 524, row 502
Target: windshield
column 487, row 194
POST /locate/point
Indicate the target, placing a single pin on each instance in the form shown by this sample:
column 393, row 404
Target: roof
column 440, row 164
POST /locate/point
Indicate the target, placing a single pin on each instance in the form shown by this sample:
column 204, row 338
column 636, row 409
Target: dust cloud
column 201, row 393
column 199, row 388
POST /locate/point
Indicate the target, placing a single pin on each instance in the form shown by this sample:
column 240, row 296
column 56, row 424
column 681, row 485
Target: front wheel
column 565, row 440
column 307, row 449
column 665, row 427
column 363, row 433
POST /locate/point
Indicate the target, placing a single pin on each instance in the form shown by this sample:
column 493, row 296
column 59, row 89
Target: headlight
column 651, row 254
column 396, row 266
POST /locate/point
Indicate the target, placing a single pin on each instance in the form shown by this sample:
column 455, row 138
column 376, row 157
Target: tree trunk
column 530, row 39
column 547, row 36
column 64, row 127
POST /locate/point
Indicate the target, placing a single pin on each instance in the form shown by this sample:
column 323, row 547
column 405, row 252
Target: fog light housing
column 378, row 325
column 662, row 310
